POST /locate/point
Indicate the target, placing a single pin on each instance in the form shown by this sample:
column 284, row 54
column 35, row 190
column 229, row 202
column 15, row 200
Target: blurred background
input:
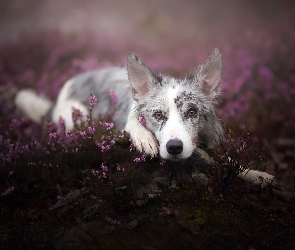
column 144, row 20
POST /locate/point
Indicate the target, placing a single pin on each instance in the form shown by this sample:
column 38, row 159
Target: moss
column 198, row 217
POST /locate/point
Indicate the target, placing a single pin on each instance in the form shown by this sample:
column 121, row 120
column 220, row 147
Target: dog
column 163, row 115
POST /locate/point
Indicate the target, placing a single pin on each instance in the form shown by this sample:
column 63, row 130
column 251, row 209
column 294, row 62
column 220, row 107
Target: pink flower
column 94, row 172
column 76, row 114
column 107, row 125
column 142, row 121
column 91, row 130
column 140, row 159
column 92, row 101
column 82, row 134
column 104, row 168
column 8, row 191
column 113, row 96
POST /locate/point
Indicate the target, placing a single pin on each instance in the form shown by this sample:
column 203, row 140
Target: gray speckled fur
column 207, row 128
column 197, row 91
column 99, row 83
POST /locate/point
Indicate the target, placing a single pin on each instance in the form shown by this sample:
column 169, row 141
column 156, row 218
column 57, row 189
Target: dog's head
column 179, row 112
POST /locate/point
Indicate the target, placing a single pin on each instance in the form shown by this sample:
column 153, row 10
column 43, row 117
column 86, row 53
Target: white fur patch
column 142, row 138
column 174, row 129
column 257, row 177
column 34, row 106
column 64, row 107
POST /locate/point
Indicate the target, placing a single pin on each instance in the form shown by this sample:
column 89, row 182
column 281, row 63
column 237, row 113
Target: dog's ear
column 208, row 75
column 140, row 76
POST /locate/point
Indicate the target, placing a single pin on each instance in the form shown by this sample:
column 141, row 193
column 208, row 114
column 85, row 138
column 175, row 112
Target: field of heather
column 89, row 188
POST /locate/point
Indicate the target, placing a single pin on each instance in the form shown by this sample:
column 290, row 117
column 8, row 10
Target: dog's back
column 75, row 93
column 101, row 83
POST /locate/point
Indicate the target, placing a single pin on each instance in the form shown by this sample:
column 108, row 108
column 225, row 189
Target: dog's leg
column 252, row 176
column 257, row 177
column 142, row 138
column 64, row 110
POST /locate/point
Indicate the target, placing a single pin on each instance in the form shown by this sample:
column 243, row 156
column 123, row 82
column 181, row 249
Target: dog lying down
column 163, row 115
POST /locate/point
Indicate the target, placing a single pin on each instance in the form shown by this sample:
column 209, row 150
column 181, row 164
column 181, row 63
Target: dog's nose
column 174, row 146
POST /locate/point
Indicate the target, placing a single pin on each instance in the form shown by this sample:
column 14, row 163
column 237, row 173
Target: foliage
column 236, row 153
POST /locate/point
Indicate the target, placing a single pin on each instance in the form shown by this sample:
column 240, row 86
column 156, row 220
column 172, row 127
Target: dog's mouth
column 173, row 158
column 169, row 157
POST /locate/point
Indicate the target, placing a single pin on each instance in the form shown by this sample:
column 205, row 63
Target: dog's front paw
column 264, row 179
column 144, row 141
column 258, row 178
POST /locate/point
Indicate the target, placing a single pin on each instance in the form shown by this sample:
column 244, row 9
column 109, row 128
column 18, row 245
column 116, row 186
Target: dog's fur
column 172, row 117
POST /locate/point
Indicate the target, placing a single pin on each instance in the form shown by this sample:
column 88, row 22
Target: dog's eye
column 192, row 112
column 158, row 115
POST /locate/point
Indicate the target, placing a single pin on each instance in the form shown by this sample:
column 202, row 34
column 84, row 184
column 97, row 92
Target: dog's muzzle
column 174, row 147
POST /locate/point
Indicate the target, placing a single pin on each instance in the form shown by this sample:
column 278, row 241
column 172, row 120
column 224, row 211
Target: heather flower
column 8, row 191
column 82, row 134
column 112, row 221
column 137, row 159
column 76, row 114
column 12, row 151
column 131, row 147
column 142, row 121
column 114, row 96
column 162, row 162
column 62, row 127
column 107, row 125
column 104, row 147
column 61, row 123
column 52, row 138
column 120, row 169
column 140, row 159
column 14, row 124
column 104, row 168
column 26, row 148
column 121, row 134
column 94, row 172
column 91, row 130
column 92, row 101
column 69, row 137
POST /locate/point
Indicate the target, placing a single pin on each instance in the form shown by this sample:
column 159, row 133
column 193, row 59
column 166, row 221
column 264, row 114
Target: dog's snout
column 174, row 146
